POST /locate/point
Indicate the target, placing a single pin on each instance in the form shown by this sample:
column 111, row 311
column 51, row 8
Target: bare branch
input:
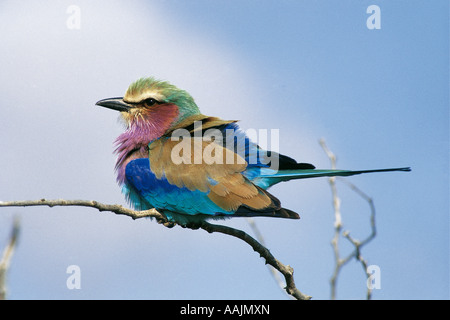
column 115, row 208
column 337, row 222
column 369, row 200
column 287, row 271
column 357, row 244
column 6, row 257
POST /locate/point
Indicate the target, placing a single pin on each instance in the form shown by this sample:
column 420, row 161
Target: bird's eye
column 149, row 102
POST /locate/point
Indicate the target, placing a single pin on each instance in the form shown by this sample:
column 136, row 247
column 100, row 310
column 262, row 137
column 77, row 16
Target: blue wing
column 144, row 191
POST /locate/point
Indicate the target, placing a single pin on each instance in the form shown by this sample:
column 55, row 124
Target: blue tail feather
column 269, row 177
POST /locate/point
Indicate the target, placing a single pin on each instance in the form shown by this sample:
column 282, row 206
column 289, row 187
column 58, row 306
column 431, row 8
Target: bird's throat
column 143, row 128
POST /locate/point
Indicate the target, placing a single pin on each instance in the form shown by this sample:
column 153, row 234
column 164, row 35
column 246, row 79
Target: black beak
column 115, row 104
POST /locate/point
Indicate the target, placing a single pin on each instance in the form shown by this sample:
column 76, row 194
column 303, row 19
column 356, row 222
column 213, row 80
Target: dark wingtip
column 305, row 166
column 286, row 213
column 296, row 166
column 280, row 213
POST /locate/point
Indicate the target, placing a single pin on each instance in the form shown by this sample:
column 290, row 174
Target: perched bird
column 192, row 167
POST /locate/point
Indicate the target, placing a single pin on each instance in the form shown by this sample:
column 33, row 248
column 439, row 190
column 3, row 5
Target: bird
column 192, row 167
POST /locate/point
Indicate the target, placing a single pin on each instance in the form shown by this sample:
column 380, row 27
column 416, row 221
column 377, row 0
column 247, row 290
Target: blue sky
column 311, row 69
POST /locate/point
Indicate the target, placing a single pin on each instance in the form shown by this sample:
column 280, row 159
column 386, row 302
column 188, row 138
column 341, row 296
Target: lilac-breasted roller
column 192, row 167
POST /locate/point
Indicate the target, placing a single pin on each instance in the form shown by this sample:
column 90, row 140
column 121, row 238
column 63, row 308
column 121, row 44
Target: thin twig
column 337, row 222
column 287, row 271
column 6, row 257
column 357, row 244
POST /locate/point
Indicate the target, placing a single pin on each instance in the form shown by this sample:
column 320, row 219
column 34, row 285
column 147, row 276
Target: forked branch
column 357, row 244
